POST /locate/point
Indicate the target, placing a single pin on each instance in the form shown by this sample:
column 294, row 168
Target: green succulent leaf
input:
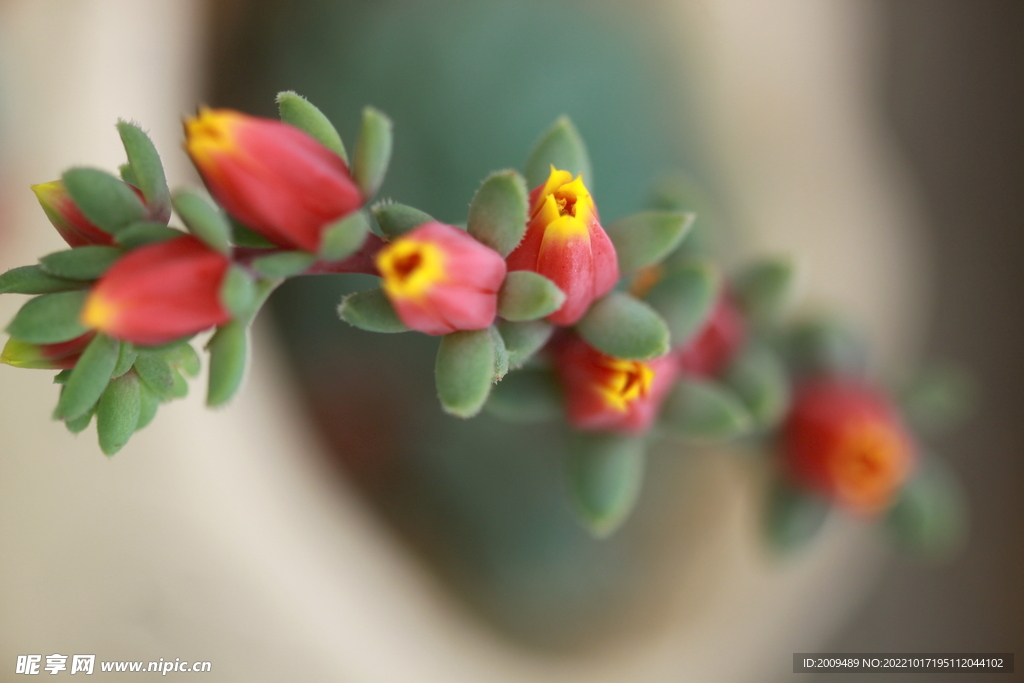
column 523, row 340
column 117, row 414
column 105, row 200
column 465, row 371
column 147, row 232
column 645, row 239
column 823, row 345
column 397, row 219
column 183, row 357
column 526, row 295
column 229, row 348
column 283, row 264
column 939, row 399
column 530, row 395
column 702, row 410
column 156, row 373
column 343, row 238
column 125, row 359
column 498, row 212
column 35, row 280
column 89, row 378
column 371, row 311
column 930, row 514
column 203, row 219
column 149, row 404
column 373, row 152
column 605, row 474
column 765, row 289
column 81, row 263
column 127, row 175
column 759, row 378
column 147, row 171
column 81, row 423
column 245, row 236
column 238, row 293
column 560, row 146
column 685, row 299
column 50, row 318
column 624, row 327
column 793, row 517
column 299, row 112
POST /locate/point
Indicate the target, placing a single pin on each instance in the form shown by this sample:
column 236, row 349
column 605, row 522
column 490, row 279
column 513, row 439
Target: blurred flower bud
column 844, row 440
column 60, row 356
column 439, row 279
column 565, row 243
column 159, row 293
column 271, row 176
column 73, row 226
column 611, row 394
column 711, row 349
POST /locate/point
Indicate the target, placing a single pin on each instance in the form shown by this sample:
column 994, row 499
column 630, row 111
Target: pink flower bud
column 711, row 349
column 75, row 228
column 60, row 356
column 565, row 243
column 159, row 293
column 439, row 279
column 611, row 394
column 271, row 176
column 844, row 440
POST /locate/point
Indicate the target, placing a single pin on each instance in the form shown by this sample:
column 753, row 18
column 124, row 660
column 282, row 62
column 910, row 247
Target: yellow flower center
column 98, row 312
column 869, row 464
column 410, row 268
column 628, row 381
column 563, row 206
column 212, row 131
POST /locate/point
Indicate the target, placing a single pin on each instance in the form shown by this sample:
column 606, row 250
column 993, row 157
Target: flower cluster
column 627, row 332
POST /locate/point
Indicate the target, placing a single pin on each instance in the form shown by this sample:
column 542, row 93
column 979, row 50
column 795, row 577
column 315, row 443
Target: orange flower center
column 625, row 382
column 410, row 267
column 869, row 464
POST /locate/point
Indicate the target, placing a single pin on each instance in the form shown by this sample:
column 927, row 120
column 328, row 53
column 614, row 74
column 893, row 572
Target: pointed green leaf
column 523, row 340
column 824, row 345
column 146, row 169
column 62, row 376
column 562, row 147
column 244, row 236
column 526, row 396
column 149, row 404
column 301, row 113
column 373, row 152
column 81, row 263
column 183, row 357
column 644, row 239
column 397, row 219
column 500, row 354
column 203, row 219
column 180, row 387
column 930, row 514
column 147, row 232
column 283, row 264
column 89, row 378
column 50, row 318
column 125, row 359
column 702, row 410
column 127, row 174
column 35, row 280
column 157, row 375
column 759, row 378
column 228, row 351
column 464, row 371
column 792, row 517
column 103, row 199
column 238, row 293
column 498, row 213
column 117, row 414
column 79, row 424
column 765, row 289
column 371, row 311
column 624, row 327
column 605, row 474
column 685, row 299
column 526, row 295
column 344, row 237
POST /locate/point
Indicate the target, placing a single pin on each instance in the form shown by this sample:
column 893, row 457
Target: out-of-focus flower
column 159, row 293
column 75, row 228
column 271, row 176
column 610, row 394
column 60, row 356
column 844, row 440
column 439, row 279
column 711, row 349
column 565, row 243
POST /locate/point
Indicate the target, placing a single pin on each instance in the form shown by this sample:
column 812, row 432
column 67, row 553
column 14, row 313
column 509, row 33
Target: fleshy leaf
column 526, row 396
column 792, row 517
column 147, row 232
column 117, row 414
column 373, row 152
column 103, row 199
column 203, row 219
column 125, row 359
column 228, row 350
column 759, row 378
column 464, row 371
column 149, row 404
column 644, row 239
column 397, row 219
column 560, row 146
column 79, row 424
column 938, row 399
column 765, row 289
column 89, row 378
column 685, row 299
column 301, row 113
column 35, row 280
column 283, row 264
column 526, row 295
column 147, row 171
column 605, row 474
column 624, row 327
column 156, row 374
column 498, row 212
column 81, row 263
column 371, row 311
column 930, row 515
column 50, row 318
column 238, row 293
column 702, row 410
column 500, row 354
column 344, row 237
column 523, row 340
column 824, row 345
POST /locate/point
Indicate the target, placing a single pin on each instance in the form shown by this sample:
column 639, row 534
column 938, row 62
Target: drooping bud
column 439, row 279
column 61, row 356
column 611, row 394
column 159, row 293
column 271, row 176
column 565, row 243
column 844, row 440
column 73, row 226
column 711, row 349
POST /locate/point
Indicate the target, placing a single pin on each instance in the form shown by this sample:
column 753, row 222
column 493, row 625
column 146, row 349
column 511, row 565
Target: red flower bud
column 844, row 440
column 611, row 394
column 271, row 176
column 565, row 243
column 159, row 293
column 711, row 349
column 75, row 228
column 60, row 356
column 439, row 279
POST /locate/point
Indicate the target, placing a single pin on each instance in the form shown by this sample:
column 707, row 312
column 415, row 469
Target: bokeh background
column 879, row 141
